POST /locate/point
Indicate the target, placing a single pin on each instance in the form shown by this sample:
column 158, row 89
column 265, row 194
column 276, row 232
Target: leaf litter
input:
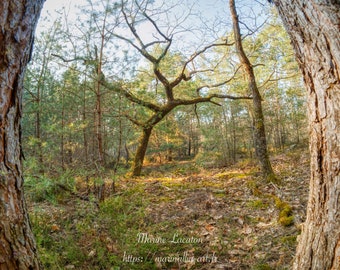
column 230, row 211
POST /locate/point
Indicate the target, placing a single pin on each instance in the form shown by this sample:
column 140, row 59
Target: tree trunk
column 127, row 154
column 120, row 136
column 314, row 28
column 140, row 154
column 18, row 20
column 234, row 139
column 40, row 88
column 62, row 137
column 85, row 142
column 99, row 130
column 258, row 118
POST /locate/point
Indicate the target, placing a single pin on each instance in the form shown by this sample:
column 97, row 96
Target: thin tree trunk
column 85, row 127
column 100, row 78
column 40, row 88
column 234, row 135
column 258, row 118
column 189, row 147
column 18, row 20
column 127, row 152
column 38, row 130
column 62, row 143
column 120, row 136
column 227, row 150
column 314, row 28
column 140, row 154
column 93, row 143
column 98, row 127
column 190, row 139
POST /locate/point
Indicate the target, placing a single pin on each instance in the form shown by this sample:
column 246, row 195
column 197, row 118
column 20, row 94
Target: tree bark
column 18, row 19
column 140, row 154
column 84, row 119
column 62, row 137
column 40, row 89
column 314, row 28
column 258, row 118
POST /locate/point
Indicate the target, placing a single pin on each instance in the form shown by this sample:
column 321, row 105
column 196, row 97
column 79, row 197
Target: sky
column 54, row 8
column 52, row 5
column 208, row 6
column 186, row 42
column 209, row 10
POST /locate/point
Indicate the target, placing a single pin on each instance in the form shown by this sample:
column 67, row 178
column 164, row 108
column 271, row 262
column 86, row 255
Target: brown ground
column 231, row 212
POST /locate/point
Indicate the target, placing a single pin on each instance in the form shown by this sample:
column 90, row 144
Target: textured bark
column 314, row 28
column 18, row 19
column 140, row 154
column 145, row 137
column 258, row 118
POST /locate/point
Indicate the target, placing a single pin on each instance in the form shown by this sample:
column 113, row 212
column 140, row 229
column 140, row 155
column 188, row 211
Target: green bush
column 41, row 188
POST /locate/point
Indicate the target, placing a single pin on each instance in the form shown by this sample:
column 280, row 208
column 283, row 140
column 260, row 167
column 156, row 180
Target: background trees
column 106, row 90
column 321, row 78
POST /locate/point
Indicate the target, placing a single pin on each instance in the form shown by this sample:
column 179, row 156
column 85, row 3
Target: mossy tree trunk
column 141, row 151
column 260, row 140
column 314, row 28
column 18, row 19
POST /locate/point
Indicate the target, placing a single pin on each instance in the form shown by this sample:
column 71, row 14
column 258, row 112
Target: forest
column 171, row 135
column 90, row 95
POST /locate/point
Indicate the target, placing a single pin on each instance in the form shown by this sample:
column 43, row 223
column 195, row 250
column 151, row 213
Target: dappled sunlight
column 230, row 213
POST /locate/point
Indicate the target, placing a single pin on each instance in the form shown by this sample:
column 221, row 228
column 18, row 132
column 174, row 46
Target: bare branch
column 133, row 120
column 229, row 96
column 200, row 71
column 70, row 60
column 208, row 99
column 132, row 27
column 154, row 42
column 119, row 89
column 34, row 96
column 269, row 79
column 155, row 25
column 165, row 51
column 220, row 83
column 182, row 75
column 142, row 50
column 252, row 31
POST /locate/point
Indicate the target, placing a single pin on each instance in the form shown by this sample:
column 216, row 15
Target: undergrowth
column 229, row 211
column 115, row 236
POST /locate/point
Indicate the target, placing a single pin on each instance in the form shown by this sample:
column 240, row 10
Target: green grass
column 81, row 241
column 76, row 234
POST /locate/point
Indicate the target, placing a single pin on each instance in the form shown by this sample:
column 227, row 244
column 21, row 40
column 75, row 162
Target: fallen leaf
column 55, row 228
column 92, row 253
column 209, row 227
column 247, row 230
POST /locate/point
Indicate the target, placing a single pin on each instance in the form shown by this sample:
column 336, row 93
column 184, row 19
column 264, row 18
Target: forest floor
column 177, row 216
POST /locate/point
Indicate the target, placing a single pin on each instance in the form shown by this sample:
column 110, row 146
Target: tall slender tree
column 18, row 20
column 314, row 28
column 258, row 118
column 39, row 79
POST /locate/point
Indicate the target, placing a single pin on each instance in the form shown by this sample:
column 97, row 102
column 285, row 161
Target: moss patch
column 286, row 217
